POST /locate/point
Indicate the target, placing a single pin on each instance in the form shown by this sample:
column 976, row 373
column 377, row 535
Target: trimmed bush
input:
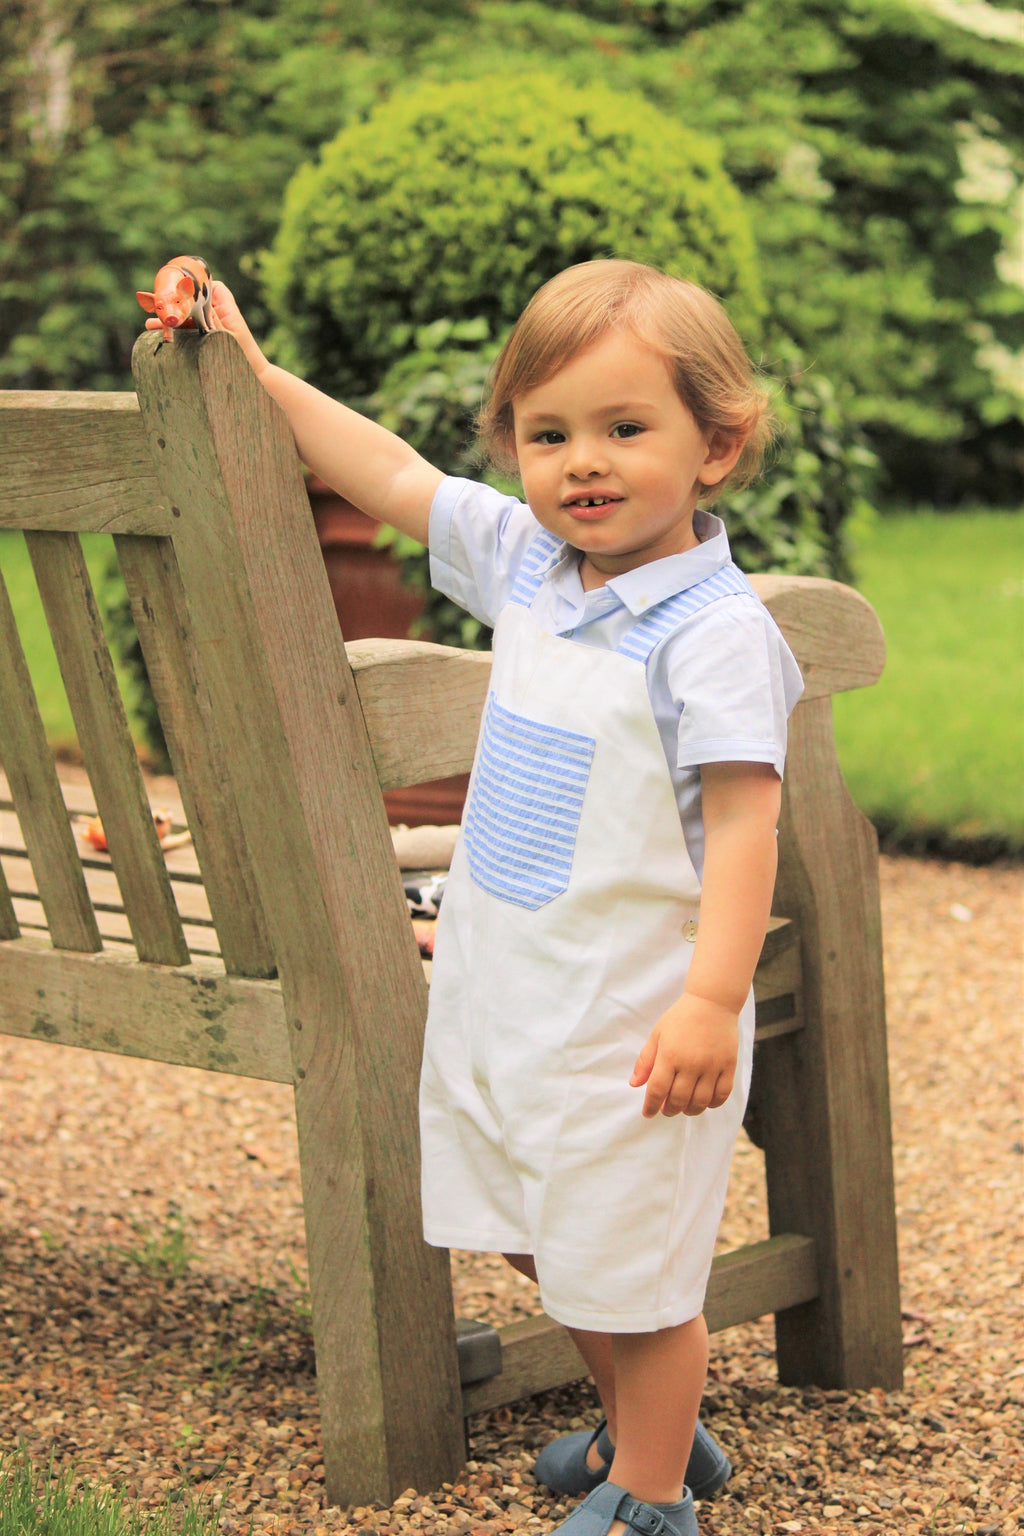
column 456, row 202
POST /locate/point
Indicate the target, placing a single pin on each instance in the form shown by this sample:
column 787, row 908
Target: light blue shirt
column 721, row 686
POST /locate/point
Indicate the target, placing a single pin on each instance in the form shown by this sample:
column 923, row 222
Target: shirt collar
column 647, row 585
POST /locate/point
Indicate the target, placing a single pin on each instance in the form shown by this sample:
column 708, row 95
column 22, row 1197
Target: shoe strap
column 643, row 1518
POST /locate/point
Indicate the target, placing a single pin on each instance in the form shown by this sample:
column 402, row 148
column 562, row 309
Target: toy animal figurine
column 91, row 830
column 182, row 290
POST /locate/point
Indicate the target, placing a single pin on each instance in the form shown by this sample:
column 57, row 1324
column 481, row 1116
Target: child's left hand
column 689, row 1060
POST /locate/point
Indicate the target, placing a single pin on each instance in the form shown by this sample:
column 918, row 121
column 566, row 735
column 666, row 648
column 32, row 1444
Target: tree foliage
column 878, row 143
column 881, row 151
column 129, row 135
column 455, row 202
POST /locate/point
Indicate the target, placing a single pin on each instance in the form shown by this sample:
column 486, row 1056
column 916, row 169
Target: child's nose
column 586, row 458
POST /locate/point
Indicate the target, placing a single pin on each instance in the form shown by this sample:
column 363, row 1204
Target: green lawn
column 934, row 753
column 35, row 637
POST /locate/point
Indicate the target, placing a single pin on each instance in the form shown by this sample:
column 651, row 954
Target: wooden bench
column 282, row 741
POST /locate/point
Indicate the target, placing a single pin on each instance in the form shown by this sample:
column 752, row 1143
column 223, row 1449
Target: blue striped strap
column 544, row 551
column 659, row 622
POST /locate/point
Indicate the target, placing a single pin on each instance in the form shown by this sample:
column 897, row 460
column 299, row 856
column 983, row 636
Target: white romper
column 566, row 930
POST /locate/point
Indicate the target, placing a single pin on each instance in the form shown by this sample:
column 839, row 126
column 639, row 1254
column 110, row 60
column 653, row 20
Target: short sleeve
column 477, row 538
column 735, row 682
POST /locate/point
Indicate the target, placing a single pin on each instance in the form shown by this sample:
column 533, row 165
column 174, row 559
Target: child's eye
column 550, row 437
column 627, row 429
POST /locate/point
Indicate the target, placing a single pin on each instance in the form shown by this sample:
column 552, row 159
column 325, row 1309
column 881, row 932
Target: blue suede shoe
column 562, row 1464
column 609, row 1503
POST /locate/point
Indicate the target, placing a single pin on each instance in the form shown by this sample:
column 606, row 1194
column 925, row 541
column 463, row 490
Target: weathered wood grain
column 778, row 983
column 9, row 928
column 832, row 630
column 406, row 688
column 197, row 752
column 272, row 654
column 103, row 734
column 823, row 1094
column 36, row 794
column 538, row 1353
column 193, row 1016
column 77, row 463
column 105, row 898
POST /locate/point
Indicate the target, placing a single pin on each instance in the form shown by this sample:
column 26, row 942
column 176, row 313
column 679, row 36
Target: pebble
column 131, row 1372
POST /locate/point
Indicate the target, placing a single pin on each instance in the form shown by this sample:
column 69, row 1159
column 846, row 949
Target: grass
column 38, row 1502
column 934, row 753
column 165, row 1254
column 35, row 636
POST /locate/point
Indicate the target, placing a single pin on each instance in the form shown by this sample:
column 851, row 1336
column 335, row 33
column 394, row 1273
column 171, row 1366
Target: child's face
column 611, row 459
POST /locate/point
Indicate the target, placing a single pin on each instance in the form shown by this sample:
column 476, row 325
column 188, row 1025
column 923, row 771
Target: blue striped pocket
column 520, row 826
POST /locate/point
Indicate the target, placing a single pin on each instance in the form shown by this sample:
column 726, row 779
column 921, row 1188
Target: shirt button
column 690, row 930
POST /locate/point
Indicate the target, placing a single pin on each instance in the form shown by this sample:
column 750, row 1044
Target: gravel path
column 153, row 1322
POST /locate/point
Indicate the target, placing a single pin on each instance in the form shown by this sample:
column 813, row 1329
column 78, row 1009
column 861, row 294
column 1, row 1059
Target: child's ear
column 724, row 449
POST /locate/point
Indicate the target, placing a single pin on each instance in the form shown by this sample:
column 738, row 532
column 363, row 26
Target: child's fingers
column 723, row 1088
column 701, row 1097
column 660, row 1085
column 644, row 1063
column 224, row 310
column 709, row 1092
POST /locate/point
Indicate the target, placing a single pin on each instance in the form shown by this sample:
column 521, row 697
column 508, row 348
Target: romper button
column 690, row 930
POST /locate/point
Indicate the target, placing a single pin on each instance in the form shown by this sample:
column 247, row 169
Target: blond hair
column 677, row 319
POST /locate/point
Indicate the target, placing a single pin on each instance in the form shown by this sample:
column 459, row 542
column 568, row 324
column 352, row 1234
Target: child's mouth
column 591, row 506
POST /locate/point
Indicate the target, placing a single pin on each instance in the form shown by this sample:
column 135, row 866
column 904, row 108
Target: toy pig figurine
column 181, row 296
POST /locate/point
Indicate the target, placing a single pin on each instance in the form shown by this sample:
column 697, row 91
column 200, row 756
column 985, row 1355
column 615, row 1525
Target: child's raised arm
column 368, row 465
column 689, row 1060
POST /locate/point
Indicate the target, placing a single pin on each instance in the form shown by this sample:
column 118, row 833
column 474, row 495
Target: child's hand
column 689, row 1061
column 225, row 315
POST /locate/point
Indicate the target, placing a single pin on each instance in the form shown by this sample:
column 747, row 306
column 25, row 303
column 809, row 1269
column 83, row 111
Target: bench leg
column 383, row 1328
column 825, row 1090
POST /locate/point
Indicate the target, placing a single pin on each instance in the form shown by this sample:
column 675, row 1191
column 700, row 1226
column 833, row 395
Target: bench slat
column 406, row 689
column 106, row 743
column 35, row 792
column 9, row 928
column 77, row 463
column 778, row 985
column 538, row 1353
column 153, row 581
column 192, row 1016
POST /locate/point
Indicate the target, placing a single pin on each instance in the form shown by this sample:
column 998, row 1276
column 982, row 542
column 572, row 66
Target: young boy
column 590, row 1029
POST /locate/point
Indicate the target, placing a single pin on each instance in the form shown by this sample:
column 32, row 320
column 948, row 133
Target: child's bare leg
column 596, row 1349
column 659, row 1379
